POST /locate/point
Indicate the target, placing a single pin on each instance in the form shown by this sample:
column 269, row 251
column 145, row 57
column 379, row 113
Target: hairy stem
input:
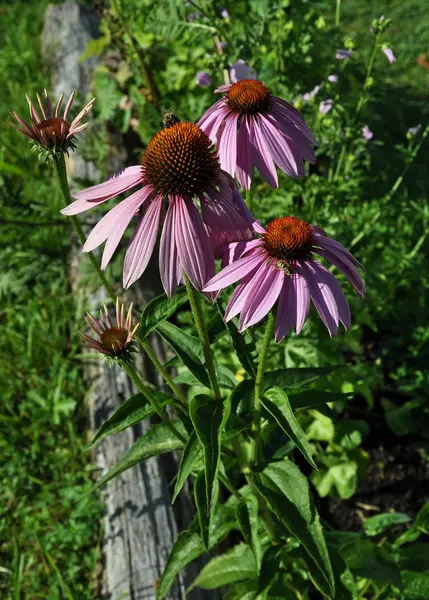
column 204, row 337
column 135, row 378
column 256, row 424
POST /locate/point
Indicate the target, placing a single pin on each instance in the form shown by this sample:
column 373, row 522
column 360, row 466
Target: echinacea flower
column 367, row 133
column 342, row 54
column 178, row 165
column 113, row 339
column 281, row 265
column 325, row 106
column 49, row 130
column 389, row 54
column 256, row 129
column 204, row 79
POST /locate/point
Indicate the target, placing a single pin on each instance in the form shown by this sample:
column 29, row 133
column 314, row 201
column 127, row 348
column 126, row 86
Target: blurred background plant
column 368, row 189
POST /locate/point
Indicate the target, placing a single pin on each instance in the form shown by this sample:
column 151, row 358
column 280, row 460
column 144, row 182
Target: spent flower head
column 50, row 132
column 114, row 339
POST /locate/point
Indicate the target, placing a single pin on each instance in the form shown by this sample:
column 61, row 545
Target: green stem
column 61, row 177
column 133, row 375
column 338, row 13
column 368, row 74
column 194, row 301
column 163, row 371
column 256, row 424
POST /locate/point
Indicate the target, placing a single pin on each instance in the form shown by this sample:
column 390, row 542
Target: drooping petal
column 335, row 247
column 252, row 289
column 97, row 194
column 193, row 244
column 302, row 301
column 342, row 262
column 220, row 214
column 234, row 272
column 264, row 299
column 334, row 286
column 142, row 244
column 286, row 310
column 284, row 152
column 291, row 132
column 235, row 250
column 170, row 267
column 112, row 226
column 261, row 155
column 322, row 297
column 227, row 144
column 244, row 167
column 293, row 115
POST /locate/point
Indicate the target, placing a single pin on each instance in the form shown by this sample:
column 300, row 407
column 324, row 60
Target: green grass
column 48, row 544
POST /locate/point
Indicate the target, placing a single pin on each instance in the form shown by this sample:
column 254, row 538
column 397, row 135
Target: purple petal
column 239, row 296
column 236, row 250
column 286, row 310
column 227, row 144
column 193, row 244
column 344, row 265
column 284, row 152
column 220, row 214
column 112, row 226
column 142, row 244
column 328, row 243
column 170, row 267
column 234, row 272
column 302, row 295
column 291, row 114
column 97, row 194
column 291, row 132
column 261, row 155
column 244, row 167
column 334, row 286
column 264, row 298
column 322, row 296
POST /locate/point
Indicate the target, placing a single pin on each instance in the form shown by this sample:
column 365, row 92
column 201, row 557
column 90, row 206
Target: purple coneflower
column 342, row 54
column 203, row 79
column 390, row 56
column 367, row 133
column 281, row 266
column 256, row 129
column 241, row 70
column 333, row 78
column 50, row 130
column 114, row 339
column 325, row 106
column 178, row 165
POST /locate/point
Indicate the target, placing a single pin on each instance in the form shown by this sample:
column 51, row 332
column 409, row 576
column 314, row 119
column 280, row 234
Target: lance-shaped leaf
column 242, row 347
column 296, row 378
column 208, row 417
column 135, row 409
column 277, row 404
column 202, row 502
column 189, row 544
column 159, row 309
column 191, row 457
column 188, row 348
column 287, row 494
column 315, row 398
column 248, row 520
column 237, row 564
column 157, row 440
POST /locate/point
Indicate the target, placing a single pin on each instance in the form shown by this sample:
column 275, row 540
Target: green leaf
column 277, row 404
column 235, row 565
column 419, row 527
column 187, row 347
column 368, row 560
column 158, row 440
column 315, row 398
column 189, row 545
column 416, row 585
column 242, row 349
column 296, row 378
column 269, row 569
column 202, row 502
column 135, row 409
column 345, row 585
column 226, row 377
column 414, row 557
column 187, row 548
column 287, row 493
column 248, row 521
column 159, row 309
column 340, row 475
column 208, row 418
column 191, row 457
column 248, row 590
column 379, row 523
column 242, row 397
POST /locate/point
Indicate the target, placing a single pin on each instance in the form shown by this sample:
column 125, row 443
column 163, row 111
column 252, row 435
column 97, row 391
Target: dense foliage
column 364, row 423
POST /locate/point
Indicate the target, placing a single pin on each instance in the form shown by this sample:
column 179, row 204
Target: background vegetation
column 369, row 194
